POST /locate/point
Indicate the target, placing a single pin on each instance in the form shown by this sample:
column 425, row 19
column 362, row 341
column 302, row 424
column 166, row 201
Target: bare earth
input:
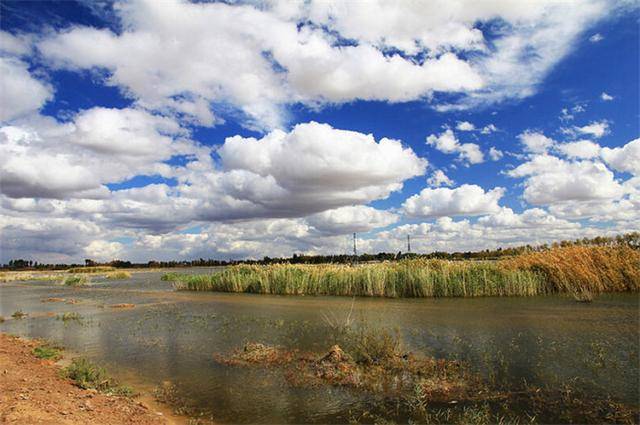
column 32, row 392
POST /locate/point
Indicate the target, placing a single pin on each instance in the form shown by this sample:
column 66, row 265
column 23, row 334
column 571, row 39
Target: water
column 171, row 336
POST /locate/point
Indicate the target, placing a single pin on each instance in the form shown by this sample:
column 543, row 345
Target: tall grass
column 584, row 269
column 573, row 269
column 408, row 278
column 93, row 269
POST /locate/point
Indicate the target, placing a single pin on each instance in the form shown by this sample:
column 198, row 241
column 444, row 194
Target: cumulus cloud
column 581, row 149
column 488, row 129
column 463, row 200
column 465, row 126
column 21, row 92
column 597, row 37
column 552, row 180
column 495, row 154
column 197, row 59
column 535, row 142
column 606, row 97
column 595, row 129
column 439, row 178
column 42, row 157
column 346, row 220
column 447, row 142
column 625, row 158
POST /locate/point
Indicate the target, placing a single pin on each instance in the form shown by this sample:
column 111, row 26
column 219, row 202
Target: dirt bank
column 32, row 391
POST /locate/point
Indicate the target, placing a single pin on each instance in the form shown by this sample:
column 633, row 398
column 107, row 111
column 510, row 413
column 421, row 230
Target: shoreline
column 32, row 390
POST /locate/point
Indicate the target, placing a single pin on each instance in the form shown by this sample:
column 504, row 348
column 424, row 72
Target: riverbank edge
column 33, row 390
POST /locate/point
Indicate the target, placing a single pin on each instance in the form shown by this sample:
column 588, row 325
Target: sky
column 156, row 130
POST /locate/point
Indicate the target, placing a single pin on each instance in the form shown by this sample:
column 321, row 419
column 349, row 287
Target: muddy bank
column 33, row 391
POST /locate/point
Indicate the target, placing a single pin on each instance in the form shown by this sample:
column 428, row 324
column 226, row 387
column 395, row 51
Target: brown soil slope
column 32, row 392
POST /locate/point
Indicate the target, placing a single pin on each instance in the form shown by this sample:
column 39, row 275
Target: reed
column 407, row 278
column 573, row 270
column 94, row 269
column 118, row 275
column 579, row 270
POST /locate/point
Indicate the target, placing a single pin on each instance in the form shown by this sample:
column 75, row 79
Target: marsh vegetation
column 575, row 270
column 88, row 375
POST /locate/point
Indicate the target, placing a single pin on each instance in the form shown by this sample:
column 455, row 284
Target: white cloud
column 447, row 142
column 439, row 178
column 488, row 129
column 41, row 157
column 21, row 93
column 606, row 97
column 597, row 37
column 463, row 200
column 581, row 149
column 187, row 58
column 347, row 220
column 595, row 129
column 465, row 126
column 495, row 154
column 102, row 250
column 625, row 158
column 535, row 142
column 14, row 45
column 552, row 180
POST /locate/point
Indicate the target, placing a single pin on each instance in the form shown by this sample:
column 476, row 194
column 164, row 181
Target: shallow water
column 172, row 336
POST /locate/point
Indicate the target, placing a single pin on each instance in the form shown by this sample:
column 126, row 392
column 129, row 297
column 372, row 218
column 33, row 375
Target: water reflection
column 172, row 336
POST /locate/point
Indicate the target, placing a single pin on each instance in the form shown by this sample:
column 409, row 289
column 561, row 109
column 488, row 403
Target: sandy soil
column 32, row 392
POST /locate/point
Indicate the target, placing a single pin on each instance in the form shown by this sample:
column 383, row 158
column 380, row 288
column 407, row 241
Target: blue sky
column 145, row 130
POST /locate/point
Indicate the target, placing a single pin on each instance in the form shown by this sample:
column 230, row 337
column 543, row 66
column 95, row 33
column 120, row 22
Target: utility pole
column 355, row 250
column 409, row 243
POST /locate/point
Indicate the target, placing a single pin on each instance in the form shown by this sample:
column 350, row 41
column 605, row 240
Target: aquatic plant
column 76, row 281
column 47, row 352
column 19, row 314
column 169, row 277
column 407, row 278
column 69, row 316
column 559, row 270
column 88, row 375
column 118, row 275
column 94, row 269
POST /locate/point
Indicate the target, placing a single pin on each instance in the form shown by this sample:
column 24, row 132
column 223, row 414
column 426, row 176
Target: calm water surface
column 171, row 336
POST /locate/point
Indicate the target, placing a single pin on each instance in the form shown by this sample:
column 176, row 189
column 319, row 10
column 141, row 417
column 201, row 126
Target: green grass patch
column 47, row 352
column 76, row 281
column 88, row 375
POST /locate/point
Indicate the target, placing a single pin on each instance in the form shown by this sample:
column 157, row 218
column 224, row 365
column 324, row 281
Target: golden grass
column 583, row 269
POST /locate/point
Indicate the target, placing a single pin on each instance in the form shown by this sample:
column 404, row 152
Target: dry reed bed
column 575, row 269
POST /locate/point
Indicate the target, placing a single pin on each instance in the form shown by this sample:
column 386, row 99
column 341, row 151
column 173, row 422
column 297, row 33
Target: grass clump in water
column 48, row 352
column 93, row 269
column 570, row 269
column 19, row 314
column 118, row 275
column 88, row 375
column 70, row 316
column 76, row 281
